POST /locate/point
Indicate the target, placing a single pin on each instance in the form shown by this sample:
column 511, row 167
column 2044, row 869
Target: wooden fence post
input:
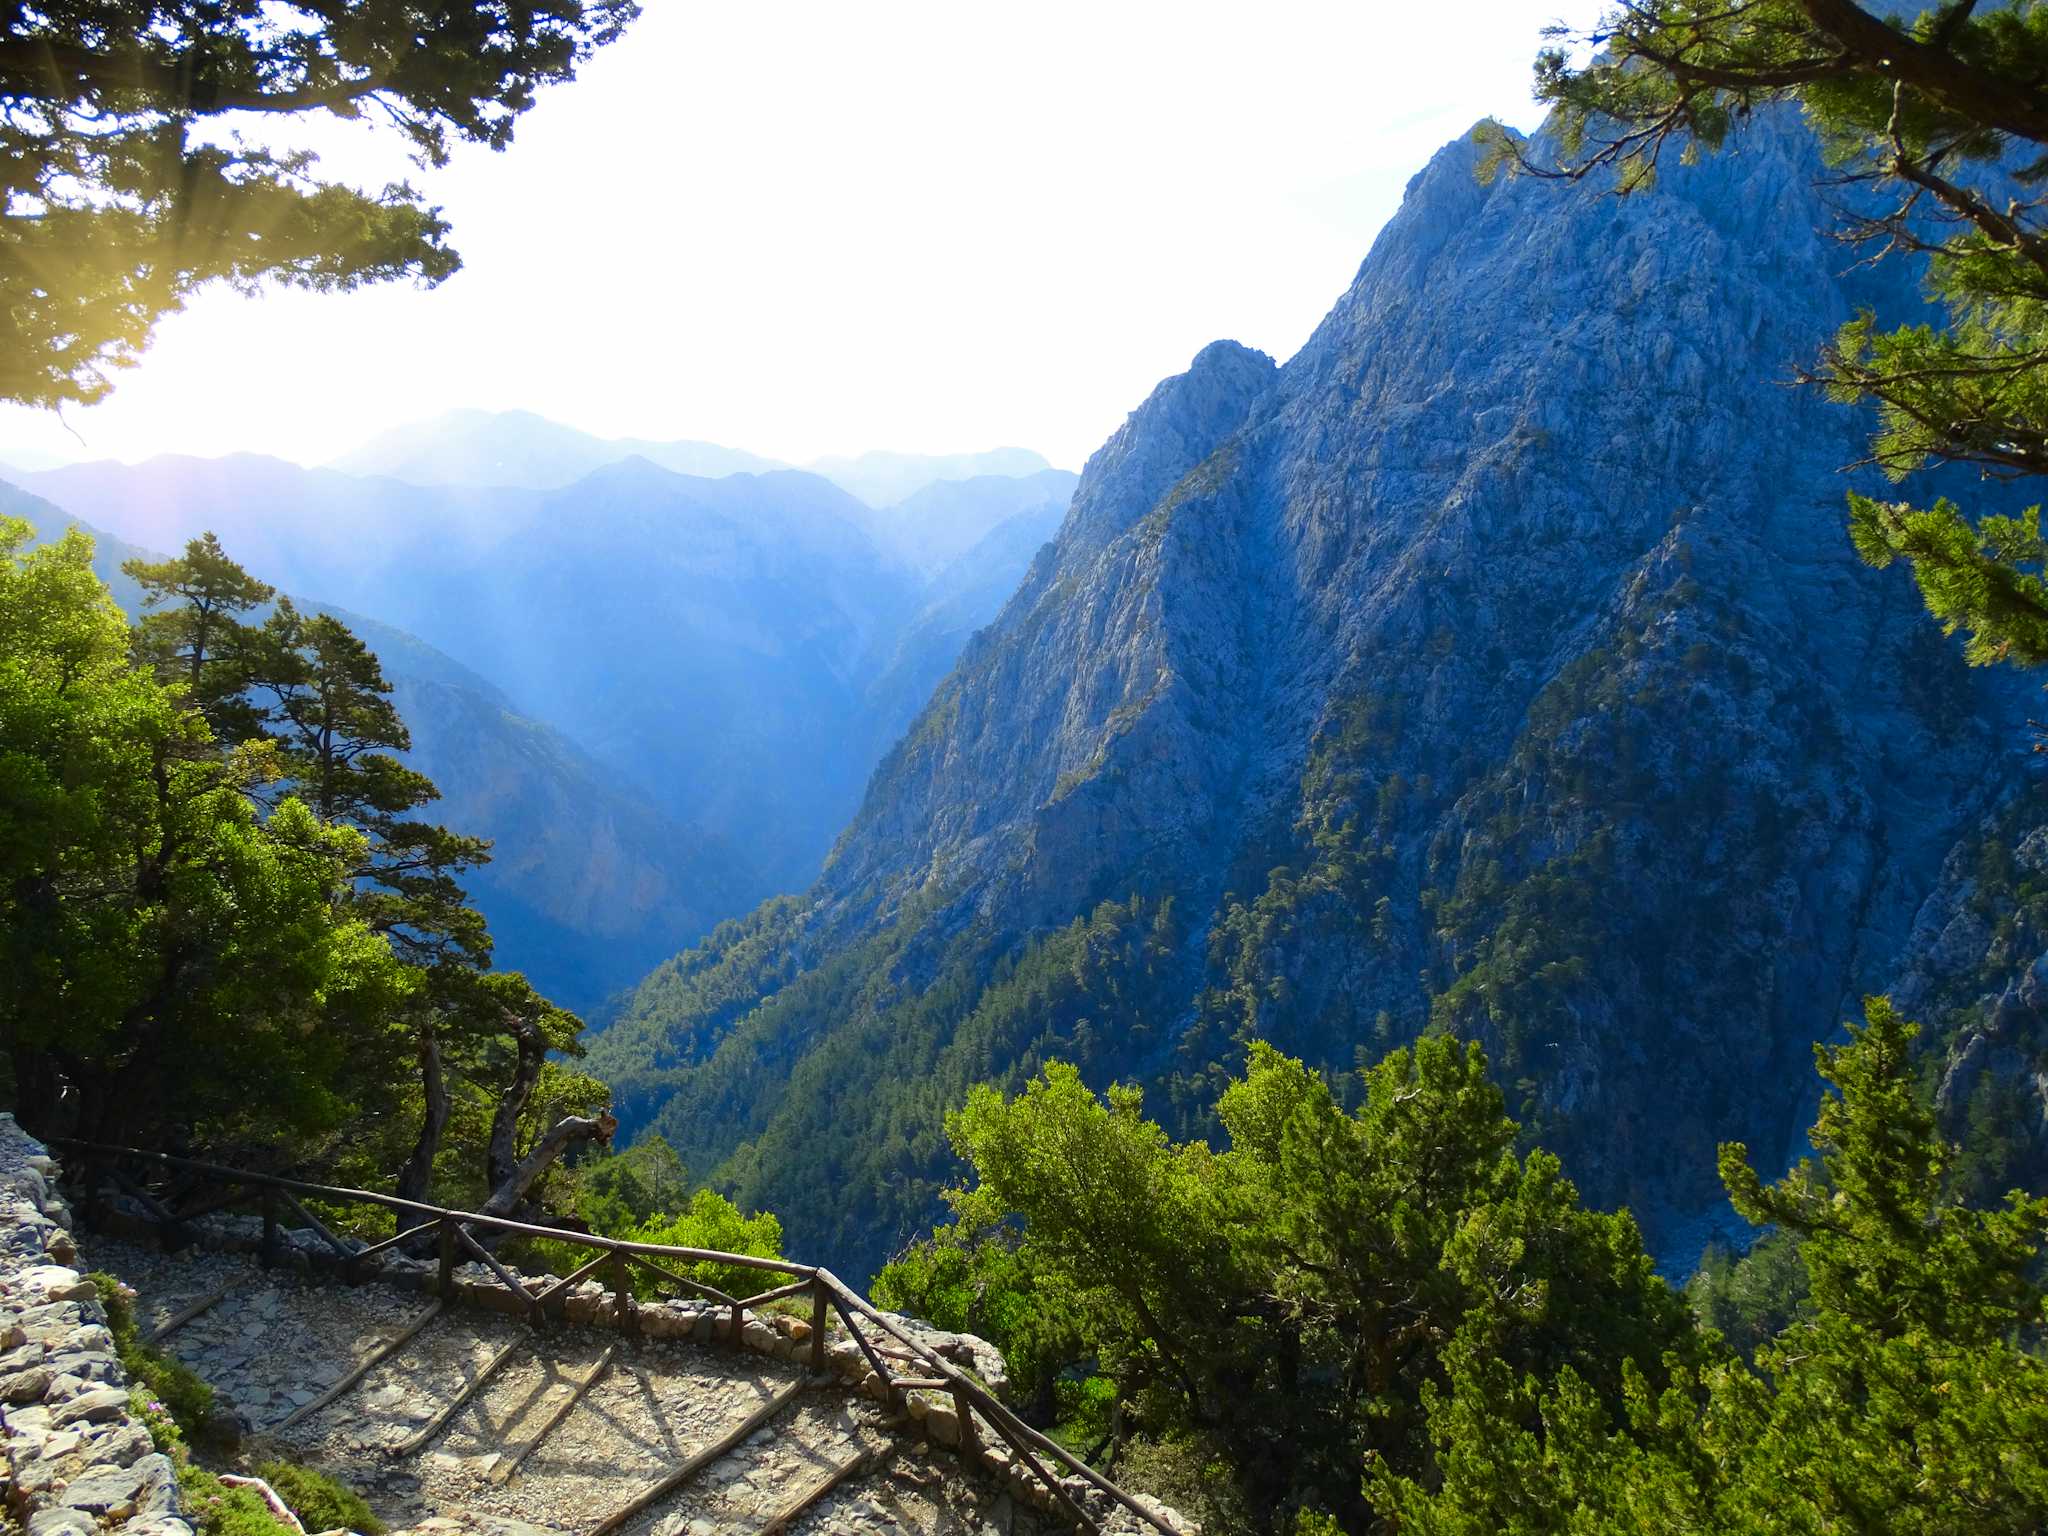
column 446, row 1284
column 818, row 1315
column 269, row 1250
column 965, row 1409
column 622, row 1280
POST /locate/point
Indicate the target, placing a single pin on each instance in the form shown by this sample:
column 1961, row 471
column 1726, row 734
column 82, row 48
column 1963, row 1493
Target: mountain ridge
column 720, row 644
column 1457, row 674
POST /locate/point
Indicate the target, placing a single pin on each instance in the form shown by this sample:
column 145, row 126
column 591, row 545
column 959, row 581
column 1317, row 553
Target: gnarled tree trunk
column 501, row 1156
column 567, row 1131
column 417, row 1176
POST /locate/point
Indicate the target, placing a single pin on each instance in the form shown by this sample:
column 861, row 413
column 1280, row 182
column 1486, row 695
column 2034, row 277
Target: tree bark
column 417, row 1176
column 501, row 1156
column 570, row 1128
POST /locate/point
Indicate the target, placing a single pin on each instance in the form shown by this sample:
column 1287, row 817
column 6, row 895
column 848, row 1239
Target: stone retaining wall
column 76, row 1462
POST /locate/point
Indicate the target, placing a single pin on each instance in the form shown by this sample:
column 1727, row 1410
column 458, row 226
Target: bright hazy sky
column 806, row 228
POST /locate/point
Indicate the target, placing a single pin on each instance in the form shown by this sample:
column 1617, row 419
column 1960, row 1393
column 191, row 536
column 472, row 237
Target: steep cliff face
column 1975, row 973
column 1499, row 664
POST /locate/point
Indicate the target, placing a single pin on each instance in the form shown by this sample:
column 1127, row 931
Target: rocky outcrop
column 78, row 1461
column 1499, row 664
column 1975, row 977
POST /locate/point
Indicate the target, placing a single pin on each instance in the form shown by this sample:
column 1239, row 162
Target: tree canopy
column 136, row 146
column 1280, row 1312
column 1908, row 1397
column 170, row 953
column 1389, row 1320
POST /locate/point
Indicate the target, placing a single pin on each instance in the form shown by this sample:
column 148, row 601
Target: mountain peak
column 1184, row 420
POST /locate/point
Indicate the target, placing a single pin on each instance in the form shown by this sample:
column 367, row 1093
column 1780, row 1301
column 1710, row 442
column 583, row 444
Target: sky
column 806, row 229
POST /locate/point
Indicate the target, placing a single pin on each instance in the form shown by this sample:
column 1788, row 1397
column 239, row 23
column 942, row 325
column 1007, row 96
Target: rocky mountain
column 588, row 884
column 1975, row 972
column 883, row 479
column 518, row 448
column 958, row 600
column 941, row 524
column 1499, row 664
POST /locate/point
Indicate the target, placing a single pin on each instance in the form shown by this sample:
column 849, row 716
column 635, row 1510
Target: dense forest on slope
column 1498, row 665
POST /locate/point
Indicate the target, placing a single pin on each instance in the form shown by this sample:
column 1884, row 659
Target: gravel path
column 277, row 1341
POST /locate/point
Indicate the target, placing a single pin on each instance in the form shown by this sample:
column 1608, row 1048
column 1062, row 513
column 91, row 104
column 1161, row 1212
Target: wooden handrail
column 1006, row 1423
column 967, row 1392
column 433, row 1214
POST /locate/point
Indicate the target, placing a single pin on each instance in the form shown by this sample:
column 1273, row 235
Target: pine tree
column 1907, row 1397
column 308, row 704
column 337, row 730
column 193, row 635
column 168, row 958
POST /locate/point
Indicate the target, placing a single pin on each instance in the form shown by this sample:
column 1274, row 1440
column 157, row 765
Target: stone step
column 741, row 1490
column 402, row 1393
column 516, row 1404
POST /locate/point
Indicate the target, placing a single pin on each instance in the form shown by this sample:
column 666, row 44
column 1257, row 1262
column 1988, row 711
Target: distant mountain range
column 518, row 448
column 661, row 693
column 882, row 479
column 587, row 879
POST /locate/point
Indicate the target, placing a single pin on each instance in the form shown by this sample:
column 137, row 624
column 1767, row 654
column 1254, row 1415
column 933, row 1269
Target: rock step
column 647, row 1414
column 402, row 1393
column 742, row 1490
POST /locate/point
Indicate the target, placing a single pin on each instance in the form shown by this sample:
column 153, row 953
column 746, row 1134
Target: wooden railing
column 453, row 1233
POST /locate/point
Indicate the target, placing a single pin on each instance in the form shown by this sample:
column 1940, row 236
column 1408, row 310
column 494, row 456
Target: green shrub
column 320, row 1502
column 714, row 1222
column 218, row 1510
column 163, row 1429
column 171, row 1386
column 176, row 1406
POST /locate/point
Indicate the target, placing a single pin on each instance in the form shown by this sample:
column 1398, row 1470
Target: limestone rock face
column 1975, row 974
column 1500, row 661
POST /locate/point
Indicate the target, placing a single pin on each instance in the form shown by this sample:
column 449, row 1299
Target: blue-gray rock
column 94, row 1407
column 1501, row 662
column 61, row 1522
column 105, row 1490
